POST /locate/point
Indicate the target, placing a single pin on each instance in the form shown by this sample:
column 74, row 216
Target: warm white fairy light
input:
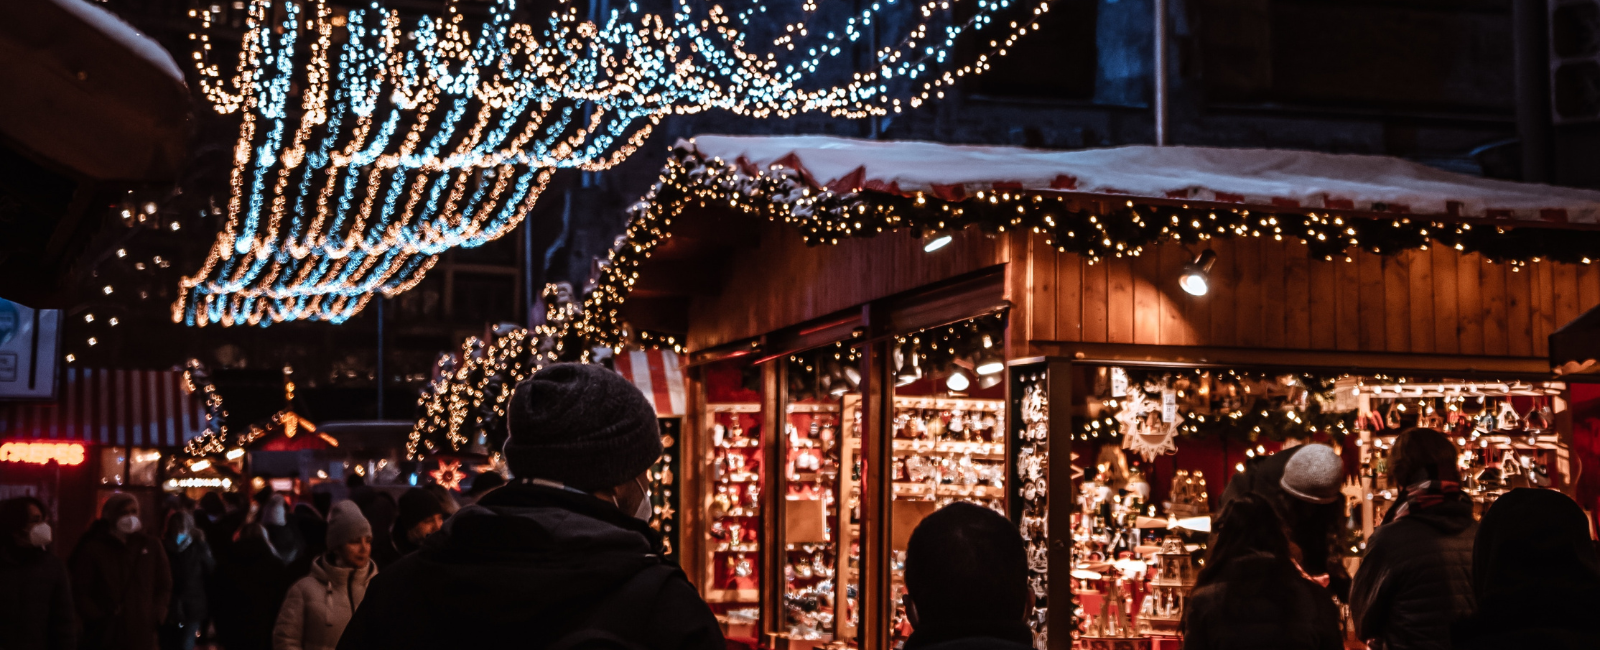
column 367, row 147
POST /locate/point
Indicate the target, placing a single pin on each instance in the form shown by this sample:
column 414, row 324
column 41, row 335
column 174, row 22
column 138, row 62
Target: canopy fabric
column 111, row 407
column 1266, row 177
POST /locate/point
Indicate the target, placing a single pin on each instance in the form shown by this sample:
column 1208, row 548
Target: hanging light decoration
column 370, row 143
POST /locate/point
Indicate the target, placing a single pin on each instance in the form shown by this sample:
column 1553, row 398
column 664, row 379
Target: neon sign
column 42, row 453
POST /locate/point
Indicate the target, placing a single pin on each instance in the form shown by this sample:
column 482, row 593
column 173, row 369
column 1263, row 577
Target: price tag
column 1169, row 405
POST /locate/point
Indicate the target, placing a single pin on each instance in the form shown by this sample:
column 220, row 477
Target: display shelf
column 909, row 489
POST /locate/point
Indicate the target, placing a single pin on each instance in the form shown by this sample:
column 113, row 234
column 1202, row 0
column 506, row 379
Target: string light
column 409, row 140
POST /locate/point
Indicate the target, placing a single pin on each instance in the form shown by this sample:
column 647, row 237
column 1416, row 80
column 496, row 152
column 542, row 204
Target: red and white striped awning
column 113, row 407
column 658, row 376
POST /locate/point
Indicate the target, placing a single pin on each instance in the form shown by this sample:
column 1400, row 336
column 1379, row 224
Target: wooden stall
column 805, row 277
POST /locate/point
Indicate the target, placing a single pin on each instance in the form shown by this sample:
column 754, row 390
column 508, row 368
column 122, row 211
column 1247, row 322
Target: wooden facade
column 1265, row 294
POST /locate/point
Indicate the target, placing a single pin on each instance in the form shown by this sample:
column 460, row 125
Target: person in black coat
column 253, row 578
column 1303, row 485
column 420, row 514
column 120, row 579
column 561, row 556
column 967, row 582
column 1416, row 579
column 1535, row 576
column 1250, row 595
column 36, row 610
column 192, row 567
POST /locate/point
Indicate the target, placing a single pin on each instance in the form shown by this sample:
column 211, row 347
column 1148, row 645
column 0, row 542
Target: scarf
column 1425, row 494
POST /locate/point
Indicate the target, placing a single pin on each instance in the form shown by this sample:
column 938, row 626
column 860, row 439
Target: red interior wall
column 1585, row 408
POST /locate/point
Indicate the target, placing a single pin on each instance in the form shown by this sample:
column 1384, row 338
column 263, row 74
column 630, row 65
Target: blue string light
column 369, row 144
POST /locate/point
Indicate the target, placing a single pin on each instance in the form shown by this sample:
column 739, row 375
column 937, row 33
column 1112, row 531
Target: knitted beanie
column 346, row 524
column 415, row 505
column 1314, row 473
column 581, row 425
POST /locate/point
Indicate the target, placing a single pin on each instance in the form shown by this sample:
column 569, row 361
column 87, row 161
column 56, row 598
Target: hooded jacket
column 1535, row 576
column 1416, row 579
column 35, row 600
column 1238, row 612
column 122, row 588
column 192, row 568
column 320, row 605
column 525, row 567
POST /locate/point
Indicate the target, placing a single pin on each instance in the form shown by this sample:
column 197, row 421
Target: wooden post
column 1061, row 506
column 774, row 398
column 693, row 493
column 877, row 446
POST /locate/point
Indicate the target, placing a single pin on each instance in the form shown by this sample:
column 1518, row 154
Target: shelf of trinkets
column 734, row 504
column 823, row 438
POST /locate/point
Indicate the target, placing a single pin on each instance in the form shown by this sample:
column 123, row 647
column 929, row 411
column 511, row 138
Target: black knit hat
column 415, row 505
column 581, row 425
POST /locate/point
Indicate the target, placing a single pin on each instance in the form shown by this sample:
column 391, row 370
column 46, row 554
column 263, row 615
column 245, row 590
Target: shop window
column 822, row 507
column 114, row 466
column 949, row 433
column 144, row 467
column 734, row 476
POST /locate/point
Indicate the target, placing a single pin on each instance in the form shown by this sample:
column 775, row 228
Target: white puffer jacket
column 319, row 606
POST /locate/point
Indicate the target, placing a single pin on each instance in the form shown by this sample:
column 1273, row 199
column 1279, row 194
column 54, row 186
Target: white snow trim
column 109, row 24
column 1249, row 176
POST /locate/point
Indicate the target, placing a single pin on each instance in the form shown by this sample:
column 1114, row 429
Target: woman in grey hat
column 320, row 605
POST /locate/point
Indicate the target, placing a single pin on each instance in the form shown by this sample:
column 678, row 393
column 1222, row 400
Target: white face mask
column 39, row 535
column 645, row 510
column 128, row 524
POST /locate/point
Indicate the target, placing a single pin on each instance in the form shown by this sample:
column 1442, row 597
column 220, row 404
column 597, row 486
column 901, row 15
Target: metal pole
column 382, row 300
column 1160, row 72
column 527, row 273
column 1532, row 74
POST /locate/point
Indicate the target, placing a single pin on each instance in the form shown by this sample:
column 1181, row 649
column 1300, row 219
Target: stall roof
column 1267, row 177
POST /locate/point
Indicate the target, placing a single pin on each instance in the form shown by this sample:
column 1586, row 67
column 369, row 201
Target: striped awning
column 658, row 376
column 114, row 407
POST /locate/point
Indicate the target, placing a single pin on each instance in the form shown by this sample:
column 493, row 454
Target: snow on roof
column 1267, row 177
column 109, row 24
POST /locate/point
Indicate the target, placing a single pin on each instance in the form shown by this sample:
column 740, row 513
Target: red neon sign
column 42, row 453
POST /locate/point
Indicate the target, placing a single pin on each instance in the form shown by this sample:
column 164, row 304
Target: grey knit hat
column 1314, row 473
column 346, row 524
column 581, row 425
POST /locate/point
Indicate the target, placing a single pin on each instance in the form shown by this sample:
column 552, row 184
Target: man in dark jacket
column 1416, row 580
column 563, row 554
column 1303, row 484
column 967, row 582
column 121, row 579
column 35, row 592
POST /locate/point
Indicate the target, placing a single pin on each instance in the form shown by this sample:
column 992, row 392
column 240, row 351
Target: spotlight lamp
column 908, row 371
column 957, row 381
column 936, row 241
column 988, row 362
column 1196, row 277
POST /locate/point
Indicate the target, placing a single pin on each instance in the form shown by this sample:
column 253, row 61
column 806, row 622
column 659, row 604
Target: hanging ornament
column 1143, row 428
column 449, row 474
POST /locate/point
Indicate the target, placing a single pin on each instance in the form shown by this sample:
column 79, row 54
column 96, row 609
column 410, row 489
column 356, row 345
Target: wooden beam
column 1297, row 360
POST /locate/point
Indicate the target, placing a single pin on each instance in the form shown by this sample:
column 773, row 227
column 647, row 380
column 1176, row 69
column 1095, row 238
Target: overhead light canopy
column 1196, row 278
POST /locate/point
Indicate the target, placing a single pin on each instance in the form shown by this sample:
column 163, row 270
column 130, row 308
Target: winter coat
column 970, row 635
column 251, row 584
column 1313, row 527
column 122, row 588
column 320, row 605
column 192, row 567
column 1416, row 580
column 1230, row 614
column 1535, row 577
column 36, row 609
column 525, row 567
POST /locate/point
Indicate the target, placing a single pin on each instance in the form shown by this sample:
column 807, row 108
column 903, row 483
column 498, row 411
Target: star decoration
column 449, row 474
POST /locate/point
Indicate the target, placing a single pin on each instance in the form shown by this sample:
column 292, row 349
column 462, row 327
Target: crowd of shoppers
column 564, row 557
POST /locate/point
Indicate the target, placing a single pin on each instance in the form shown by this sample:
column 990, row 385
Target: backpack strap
column 616, row 622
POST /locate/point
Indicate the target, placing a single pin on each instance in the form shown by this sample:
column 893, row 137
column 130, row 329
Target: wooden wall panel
column 1492, row 285
column 1265, row 293
column 781, row 282
column 1469, row 303
column 1271, row 294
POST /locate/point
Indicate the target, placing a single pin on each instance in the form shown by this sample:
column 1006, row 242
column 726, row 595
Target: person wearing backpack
column 562, row 557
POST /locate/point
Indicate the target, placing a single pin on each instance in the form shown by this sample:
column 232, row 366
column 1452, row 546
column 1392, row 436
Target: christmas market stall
column 104, row 431
column 1091, row 342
